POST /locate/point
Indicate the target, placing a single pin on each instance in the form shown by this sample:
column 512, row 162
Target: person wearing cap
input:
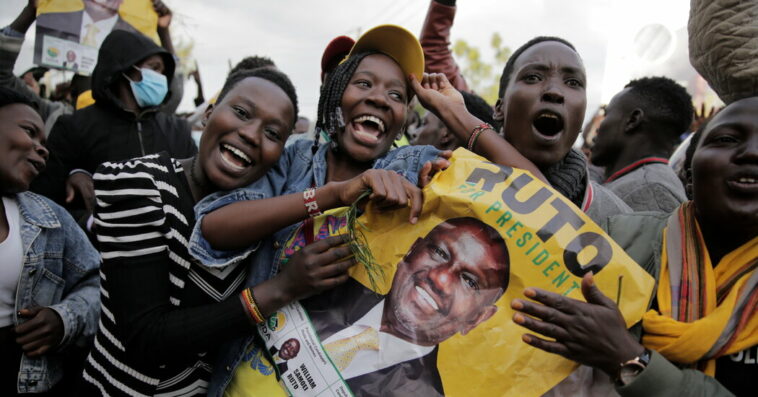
column 334, row 53
column 361, row 110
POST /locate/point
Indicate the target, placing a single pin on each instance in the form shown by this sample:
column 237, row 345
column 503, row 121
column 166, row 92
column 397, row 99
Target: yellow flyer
column 439, row 323
column 70, row 32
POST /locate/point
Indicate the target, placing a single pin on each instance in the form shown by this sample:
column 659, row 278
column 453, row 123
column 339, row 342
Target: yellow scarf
column 704, row 312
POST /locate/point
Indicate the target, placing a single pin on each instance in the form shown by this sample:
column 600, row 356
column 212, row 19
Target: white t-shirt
column 11, row 252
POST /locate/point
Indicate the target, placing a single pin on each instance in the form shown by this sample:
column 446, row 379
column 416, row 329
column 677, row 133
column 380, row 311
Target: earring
column 339, row 121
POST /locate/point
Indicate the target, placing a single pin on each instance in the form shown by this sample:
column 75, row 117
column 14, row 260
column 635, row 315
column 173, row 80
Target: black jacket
column 106, row 131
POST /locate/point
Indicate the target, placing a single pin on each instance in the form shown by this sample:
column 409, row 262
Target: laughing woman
column 701, row 336
column 48, row 271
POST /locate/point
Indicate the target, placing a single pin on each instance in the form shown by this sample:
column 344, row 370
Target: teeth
column 747, row 180
column 549, row 115
column 428, row 298
column 373, row 119
column 237, row 152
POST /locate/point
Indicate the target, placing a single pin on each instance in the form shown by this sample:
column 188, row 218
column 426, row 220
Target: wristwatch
column 630, row 369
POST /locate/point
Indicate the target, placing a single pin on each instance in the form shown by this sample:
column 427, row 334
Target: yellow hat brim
column 397, row 43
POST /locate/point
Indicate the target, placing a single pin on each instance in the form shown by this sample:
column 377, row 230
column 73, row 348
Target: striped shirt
column 163, row 314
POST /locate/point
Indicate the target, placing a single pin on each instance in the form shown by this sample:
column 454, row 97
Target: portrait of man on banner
column 446, row 284
column 69, row 29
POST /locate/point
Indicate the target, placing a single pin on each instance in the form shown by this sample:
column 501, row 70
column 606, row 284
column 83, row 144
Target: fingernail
column 526, row 338
column 414, row 220
column 518, row 318
column 530, row 292
column 517, row 304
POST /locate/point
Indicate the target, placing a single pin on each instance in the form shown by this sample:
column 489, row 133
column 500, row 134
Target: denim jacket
column 297, row 170
column 60, row 271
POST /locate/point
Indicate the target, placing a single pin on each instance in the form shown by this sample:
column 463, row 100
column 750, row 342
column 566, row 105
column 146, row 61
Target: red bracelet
column 475, row 135
column 309, row 198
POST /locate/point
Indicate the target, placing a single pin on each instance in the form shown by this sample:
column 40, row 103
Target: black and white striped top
column 163, row 315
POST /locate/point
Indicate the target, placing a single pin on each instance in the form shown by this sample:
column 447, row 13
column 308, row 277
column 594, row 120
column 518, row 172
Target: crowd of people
column 139, row 261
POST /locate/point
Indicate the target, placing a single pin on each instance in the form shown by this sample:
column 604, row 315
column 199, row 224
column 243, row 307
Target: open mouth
column 368, row 129
column 548, row 123
column 234, row 156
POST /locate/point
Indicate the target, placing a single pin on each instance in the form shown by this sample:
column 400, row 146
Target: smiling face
column 290, row 349
column 543, row 106
column 102, row 9
column 245, row 133
column 447, row 283
column 374, row 107
column 725, row 168
column 22, row 151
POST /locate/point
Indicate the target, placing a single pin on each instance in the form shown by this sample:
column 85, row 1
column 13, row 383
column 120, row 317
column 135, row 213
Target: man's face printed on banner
column 102, row 9
column 447, row 283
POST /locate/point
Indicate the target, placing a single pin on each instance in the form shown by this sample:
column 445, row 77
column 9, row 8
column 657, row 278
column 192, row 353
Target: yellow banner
column 440, row 322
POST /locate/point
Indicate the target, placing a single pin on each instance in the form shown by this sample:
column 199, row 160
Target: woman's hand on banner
column 591, row 333
column 433, row 167
column 389, row 190
column 317, row 267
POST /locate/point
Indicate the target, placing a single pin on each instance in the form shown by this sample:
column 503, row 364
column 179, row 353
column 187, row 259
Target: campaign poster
column 70, row 32
column 439, row 322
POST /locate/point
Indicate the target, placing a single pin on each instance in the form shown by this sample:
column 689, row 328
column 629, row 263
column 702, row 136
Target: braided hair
column 329, row 118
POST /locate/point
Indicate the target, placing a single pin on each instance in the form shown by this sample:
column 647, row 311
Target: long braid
column 329, row 118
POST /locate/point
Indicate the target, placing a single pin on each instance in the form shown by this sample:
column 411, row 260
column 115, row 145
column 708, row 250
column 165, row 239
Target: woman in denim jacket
column 48, row 278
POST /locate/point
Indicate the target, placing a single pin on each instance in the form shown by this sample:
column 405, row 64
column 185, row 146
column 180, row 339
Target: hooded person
column 129, row 84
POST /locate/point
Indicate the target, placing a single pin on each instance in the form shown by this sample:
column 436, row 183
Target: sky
column 294, row 34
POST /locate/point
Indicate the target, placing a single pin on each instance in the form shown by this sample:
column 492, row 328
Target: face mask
column 152, row 90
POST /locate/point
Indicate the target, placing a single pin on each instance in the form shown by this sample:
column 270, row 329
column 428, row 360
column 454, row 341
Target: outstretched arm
column 435, row 41
column 241, row 224
column 437, row 94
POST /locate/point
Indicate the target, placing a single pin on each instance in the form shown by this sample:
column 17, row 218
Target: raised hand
column 591, row 333
column 164, row 14
column 436, row 93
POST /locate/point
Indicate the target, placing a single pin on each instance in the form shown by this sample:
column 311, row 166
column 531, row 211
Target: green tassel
column 359, row 245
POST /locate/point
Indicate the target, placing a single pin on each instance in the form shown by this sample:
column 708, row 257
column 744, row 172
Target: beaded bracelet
column 309, row 199
column 252, row 308
column 475, row 134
